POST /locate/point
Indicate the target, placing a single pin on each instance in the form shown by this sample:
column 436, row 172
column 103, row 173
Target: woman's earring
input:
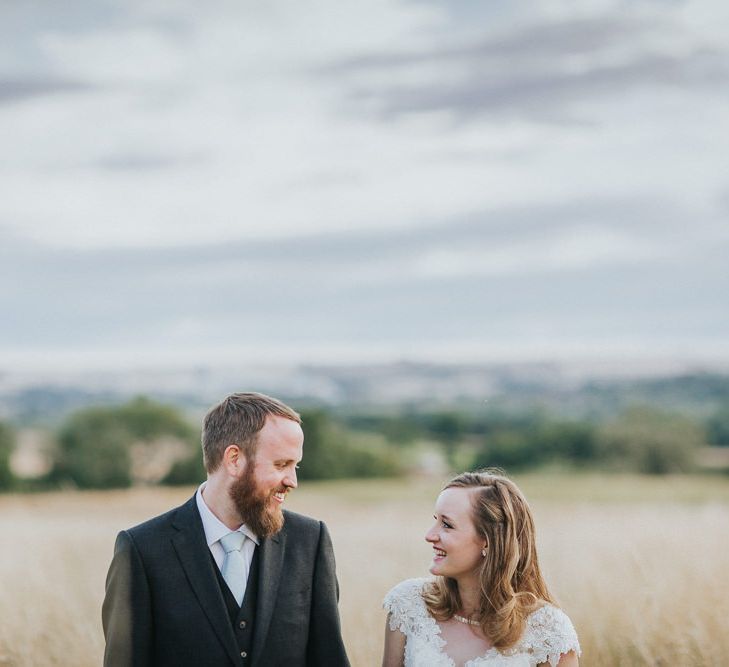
column 483, row 552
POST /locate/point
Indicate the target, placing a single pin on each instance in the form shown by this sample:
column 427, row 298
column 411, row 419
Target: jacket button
column 242, row 624
column 243, row 654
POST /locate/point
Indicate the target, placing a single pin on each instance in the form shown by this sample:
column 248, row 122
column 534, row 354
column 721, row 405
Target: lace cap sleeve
column 404, row 605
column 550, row 634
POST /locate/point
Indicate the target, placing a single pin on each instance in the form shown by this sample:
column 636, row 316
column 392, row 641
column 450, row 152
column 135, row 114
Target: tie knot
column 232, row 541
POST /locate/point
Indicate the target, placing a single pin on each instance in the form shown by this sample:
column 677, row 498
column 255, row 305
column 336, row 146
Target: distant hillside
column 415, row 387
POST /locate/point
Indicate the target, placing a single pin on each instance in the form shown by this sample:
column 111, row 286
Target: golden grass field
column 640, row 565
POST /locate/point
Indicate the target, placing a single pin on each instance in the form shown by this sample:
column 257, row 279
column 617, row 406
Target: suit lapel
column 271, row 560
column 193, row 552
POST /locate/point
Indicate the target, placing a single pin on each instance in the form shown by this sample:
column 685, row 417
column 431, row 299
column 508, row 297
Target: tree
column 509, row 449
column 718, row 427
column 165, row 447
column 331, row 452
column 7, row 443
column 115, row 446
column 449, row 429
column 93, row 450
column 651, row 441
column 146, row 420
column 532, row 441
column 190, row 470
column 567, row 441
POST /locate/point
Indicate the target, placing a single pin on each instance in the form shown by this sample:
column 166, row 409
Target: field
column 639, row 564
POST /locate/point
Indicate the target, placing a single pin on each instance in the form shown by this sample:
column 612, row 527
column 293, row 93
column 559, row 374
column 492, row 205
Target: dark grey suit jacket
column 164, row 607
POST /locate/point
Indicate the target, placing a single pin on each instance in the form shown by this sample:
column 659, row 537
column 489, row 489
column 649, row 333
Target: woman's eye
column 446, row 524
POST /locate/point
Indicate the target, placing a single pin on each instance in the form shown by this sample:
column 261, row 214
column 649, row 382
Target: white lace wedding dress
column 549, row 633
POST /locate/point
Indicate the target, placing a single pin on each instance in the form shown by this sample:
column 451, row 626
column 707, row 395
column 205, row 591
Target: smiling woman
column 458, row 549
column 488, row 603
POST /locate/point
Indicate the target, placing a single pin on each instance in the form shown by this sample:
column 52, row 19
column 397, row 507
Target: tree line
column 147, row 442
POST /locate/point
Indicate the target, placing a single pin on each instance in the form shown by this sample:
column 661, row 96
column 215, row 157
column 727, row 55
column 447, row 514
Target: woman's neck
column 469, row 590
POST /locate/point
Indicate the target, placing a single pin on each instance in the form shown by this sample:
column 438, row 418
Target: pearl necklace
column 465, row 620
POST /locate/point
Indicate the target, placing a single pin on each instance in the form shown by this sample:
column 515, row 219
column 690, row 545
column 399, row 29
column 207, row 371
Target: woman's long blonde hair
column 511, row 583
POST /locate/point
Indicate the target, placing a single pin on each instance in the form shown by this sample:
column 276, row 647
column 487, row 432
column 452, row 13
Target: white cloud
column 226, row 103
column 167, row 124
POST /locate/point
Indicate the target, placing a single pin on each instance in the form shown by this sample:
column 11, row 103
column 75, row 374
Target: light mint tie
column 235, row 567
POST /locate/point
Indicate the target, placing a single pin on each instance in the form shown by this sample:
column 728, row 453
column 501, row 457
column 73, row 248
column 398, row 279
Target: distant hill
column 556, row 388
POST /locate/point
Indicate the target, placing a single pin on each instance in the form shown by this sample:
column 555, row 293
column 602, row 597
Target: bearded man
column 229, row 578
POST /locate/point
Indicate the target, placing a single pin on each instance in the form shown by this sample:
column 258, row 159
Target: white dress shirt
column 215, row 529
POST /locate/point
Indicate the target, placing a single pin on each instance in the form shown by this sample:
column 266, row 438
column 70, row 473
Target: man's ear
column 234, row 460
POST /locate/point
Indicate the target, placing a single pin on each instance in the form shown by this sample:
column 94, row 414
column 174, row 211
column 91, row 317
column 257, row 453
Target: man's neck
column 218, row 500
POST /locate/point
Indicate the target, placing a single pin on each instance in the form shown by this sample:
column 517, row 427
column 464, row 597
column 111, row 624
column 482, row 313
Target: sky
column 187, row 183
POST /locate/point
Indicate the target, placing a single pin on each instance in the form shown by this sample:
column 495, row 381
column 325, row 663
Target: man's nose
column 290, row 480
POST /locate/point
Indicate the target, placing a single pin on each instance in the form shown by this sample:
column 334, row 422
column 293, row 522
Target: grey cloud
column 341, row 251
column 146, row 162
column 526, row 44
column 530, row 72
column 542, row 94
column 307, row 288
column 17, row 90
column 332, row 265
column 280, row 304
column 644, row 215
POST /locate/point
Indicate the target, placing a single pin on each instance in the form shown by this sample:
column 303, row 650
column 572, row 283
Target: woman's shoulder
column 549, row 634
column 405, row 605
column 410, row 590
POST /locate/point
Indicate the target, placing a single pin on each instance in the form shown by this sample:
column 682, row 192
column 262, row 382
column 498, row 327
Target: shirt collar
column 214, row 528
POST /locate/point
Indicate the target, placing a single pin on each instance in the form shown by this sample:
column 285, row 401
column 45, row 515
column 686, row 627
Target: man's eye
column 297, row 467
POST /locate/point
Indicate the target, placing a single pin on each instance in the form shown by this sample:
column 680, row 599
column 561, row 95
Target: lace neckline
column 547, row 635
column 440, row 644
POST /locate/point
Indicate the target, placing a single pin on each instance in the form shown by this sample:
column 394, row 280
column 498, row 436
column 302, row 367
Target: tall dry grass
column 642, row 575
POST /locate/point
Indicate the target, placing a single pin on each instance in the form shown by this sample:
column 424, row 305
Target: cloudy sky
column 188, row 182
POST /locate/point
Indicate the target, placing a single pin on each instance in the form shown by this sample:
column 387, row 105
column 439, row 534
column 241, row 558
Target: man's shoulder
column 300, row 523
column 160, row 524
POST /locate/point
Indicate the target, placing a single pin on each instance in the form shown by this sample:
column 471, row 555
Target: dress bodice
column 548, row 634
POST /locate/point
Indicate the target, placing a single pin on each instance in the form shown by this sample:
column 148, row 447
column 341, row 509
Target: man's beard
column 255, row 506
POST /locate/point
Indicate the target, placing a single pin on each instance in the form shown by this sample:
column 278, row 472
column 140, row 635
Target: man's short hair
column 237, row 420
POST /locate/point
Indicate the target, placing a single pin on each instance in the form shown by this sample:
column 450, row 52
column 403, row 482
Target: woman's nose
column 431, row 536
